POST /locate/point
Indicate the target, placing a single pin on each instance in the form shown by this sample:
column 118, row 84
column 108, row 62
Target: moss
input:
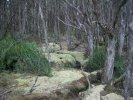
column 6, row 80
column 62, row 60
column 23, row 82
column 53, row 47
column 79, row 56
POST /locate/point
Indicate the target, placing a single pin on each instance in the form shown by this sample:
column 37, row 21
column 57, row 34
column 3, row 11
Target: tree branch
column 69, row 24
column 123, row 2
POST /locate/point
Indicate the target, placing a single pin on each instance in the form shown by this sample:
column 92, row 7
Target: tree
column 107, row 20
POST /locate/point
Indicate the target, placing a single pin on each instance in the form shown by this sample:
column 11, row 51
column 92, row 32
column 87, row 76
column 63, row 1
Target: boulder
column 94, row 93
column 112, row 96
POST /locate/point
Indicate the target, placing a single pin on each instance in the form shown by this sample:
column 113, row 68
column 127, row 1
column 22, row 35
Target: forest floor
column 13, row 84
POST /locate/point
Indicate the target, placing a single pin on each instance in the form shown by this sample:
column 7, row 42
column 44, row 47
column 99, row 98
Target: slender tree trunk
column 55, row 31
column 20, row 22
column 38, row 27
column 24, row 19
column 109, row 62
column 69, row 40
column 68, row 28
column 121, row 42
column 45, row 31
column 90, row 44
column 121, row 38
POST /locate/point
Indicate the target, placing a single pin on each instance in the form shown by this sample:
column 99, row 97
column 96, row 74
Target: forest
column 66, row 49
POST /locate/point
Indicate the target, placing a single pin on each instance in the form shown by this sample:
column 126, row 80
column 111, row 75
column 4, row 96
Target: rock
column 79, row 56
column 94, row 93
column 112, row 96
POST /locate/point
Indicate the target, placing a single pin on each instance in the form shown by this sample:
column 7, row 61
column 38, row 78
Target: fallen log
column 67, row 92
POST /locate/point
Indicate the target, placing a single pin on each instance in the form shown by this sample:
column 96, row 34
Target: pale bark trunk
column 109, row 63
column 69, row 40
column 55, row 32
column 24, row 18
column 38, row 26
column 45, row 32
column 121, row 42
column 121, row 38
column 22, row 23
column 68, row 28
column 128, row 84
column 128, row 79
column 90, row 44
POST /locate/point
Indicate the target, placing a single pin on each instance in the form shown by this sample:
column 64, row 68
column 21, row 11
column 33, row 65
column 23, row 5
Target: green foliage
column 119, row 66
column 22, row 56
column 96, row 61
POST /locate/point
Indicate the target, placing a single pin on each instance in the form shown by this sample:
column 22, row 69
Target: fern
column 28, row 57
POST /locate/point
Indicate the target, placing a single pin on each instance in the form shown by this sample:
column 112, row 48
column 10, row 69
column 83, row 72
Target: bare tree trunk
column 109, row 63
column 45, row 31
column 90, row 44
column 128, row 81
column 129, row 71
column 68, row 28
column 121, row 37
column 69, row 40
column 55, row 31
column 24, row 19
column 121, row 42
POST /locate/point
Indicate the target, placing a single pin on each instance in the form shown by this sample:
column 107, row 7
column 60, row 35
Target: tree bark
column 121, row 37
column 45, row 31
column 129, row 71
column 128, row 79
column 68, row 28
column 90, row 44
column 109, row 62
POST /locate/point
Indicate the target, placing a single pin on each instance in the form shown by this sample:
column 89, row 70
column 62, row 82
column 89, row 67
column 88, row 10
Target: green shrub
column 96, row 62
column 22, row 56
column 119, row 66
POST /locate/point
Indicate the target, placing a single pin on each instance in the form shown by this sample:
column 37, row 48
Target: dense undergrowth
column 97, row 60
column 22, row 56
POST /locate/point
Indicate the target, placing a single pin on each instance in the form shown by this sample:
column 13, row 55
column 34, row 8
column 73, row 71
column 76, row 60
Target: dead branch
column 33, row 86
column 6, row 92
column 76, row 8
column 69, row 24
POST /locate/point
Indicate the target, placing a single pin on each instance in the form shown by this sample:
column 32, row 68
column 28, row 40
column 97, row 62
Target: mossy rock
column 62, row 60
column 79, row 56
column 112, row 96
